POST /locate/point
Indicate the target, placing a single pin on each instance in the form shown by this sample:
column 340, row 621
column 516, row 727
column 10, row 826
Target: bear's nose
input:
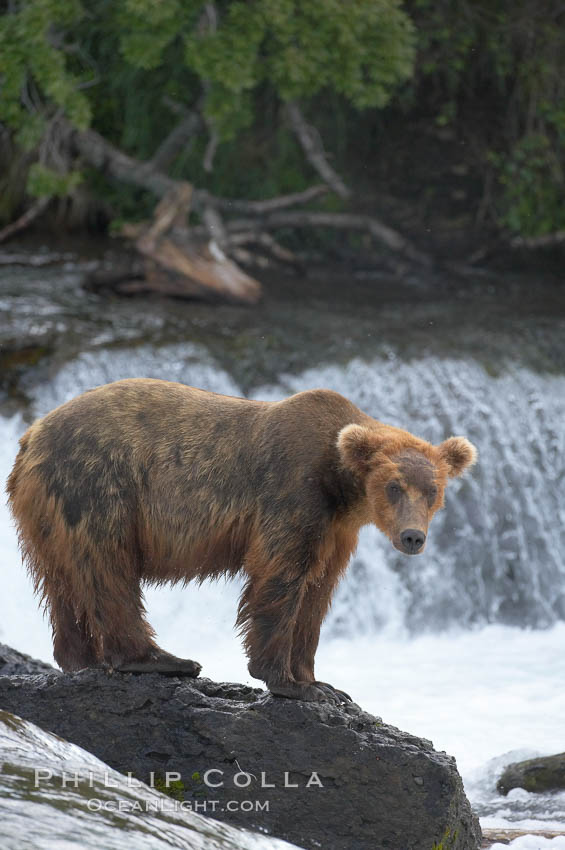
column 412, row 540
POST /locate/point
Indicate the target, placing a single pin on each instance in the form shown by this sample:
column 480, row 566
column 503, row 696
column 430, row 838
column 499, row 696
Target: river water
column 56, row 796
column 463, row 644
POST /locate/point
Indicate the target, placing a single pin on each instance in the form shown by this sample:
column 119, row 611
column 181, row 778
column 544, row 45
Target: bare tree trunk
column 110, row 160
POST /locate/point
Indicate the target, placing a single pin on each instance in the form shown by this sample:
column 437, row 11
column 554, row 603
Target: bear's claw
column 343, row 696
column 310, row 692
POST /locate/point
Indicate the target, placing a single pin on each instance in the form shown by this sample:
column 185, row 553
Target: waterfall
column 491, row 555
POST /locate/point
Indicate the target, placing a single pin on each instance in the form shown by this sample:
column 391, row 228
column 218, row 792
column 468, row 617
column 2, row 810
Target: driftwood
column 260, row 208
column 177, row 265
column 505, row 836
column 516, row 243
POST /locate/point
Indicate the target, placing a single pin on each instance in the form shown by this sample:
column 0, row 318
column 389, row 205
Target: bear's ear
column 358, row 446
column 458, row 453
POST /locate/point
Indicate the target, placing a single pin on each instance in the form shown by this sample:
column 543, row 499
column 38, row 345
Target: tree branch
column 211, row 148
column 175, row 141
column 389, row 237
column 24, row 220
column 215, row 226
column 171, row 211
column 312, row 146
column 266, row 241
column 545, row 241
column 263, row 207
column 112, row 161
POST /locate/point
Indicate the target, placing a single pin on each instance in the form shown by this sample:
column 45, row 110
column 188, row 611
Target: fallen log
column 339, row 221
column 114, row 162
column 177, row 265
column 506, row 836
column 187, row 261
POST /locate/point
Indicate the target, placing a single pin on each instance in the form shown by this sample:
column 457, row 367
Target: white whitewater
column 56, row 796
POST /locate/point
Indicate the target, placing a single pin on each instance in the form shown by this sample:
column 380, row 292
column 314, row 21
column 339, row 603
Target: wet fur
column 152, row 481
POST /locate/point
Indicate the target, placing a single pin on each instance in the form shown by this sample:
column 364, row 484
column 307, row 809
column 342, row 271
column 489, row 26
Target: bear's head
column 404, row 478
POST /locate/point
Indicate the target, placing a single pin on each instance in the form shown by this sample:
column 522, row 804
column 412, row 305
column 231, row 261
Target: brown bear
column 153, row 481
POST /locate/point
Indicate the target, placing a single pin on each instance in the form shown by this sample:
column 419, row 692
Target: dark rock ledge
column 538, row 775
column 361, row 784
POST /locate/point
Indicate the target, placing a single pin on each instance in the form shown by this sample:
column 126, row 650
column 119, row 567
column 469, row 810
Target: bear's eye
column 432, row 495
column 393, row 491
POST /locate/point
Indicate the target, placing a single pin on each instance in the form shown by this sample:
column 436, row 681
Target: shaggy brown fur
column 152, row 481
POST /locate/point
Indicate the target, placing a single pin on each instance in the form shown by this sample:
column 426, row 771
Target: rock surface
column 55, row 795
column 546, row 773
column 353, row 783
column 14, row 663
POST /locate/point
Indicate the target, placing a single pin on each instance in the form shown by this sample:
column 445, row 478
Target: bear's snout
column 412, row 541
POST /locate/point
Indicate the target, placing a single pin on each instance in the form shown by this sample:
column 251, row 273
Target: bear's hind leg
column 105, row 625
column 73, row 646
column 128, row 639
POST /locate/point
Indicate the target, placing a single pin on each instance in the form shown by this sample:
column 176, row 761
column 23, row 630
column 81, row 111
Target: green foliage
column 44, row 182
column 495, row 71
column 33, row 64
column 361, row 49
column 146, row 28
column 491, row 72
column 534, row 187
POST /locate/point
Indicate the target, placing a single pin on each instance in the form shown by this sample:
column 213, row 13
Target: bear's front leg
column 268, row 614
column 314, row 607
